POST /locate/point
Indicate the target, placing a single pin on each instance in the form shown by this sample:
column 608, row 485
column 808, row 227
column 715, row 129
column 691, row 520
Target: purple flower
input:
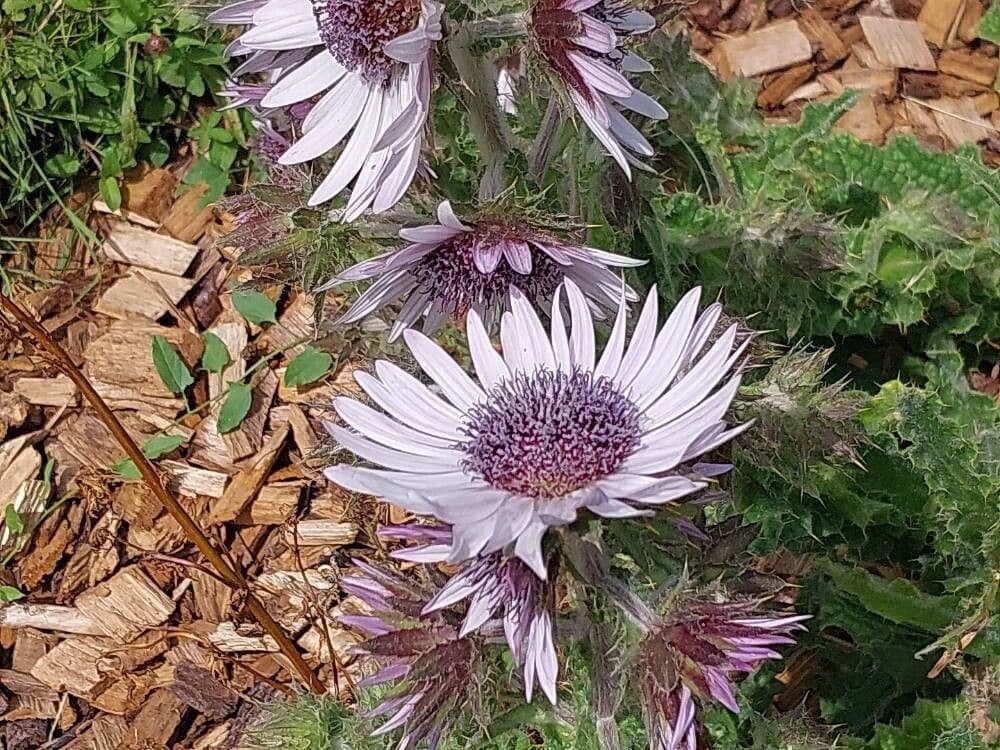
column 370, row 65
column 452, row 267
column 689, row 656
column 548, row 429
column 429, row 661
column 579, row 42
column 496, row 582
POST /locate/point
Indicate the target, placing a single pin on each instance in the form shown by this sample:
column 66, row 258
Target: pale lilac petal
column 456, row 385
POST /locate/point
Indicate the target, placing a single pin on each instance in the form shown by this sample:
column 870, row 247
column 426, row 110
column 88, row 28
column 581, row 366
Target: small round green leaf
column 239, row 398
column 216, row 357
column 170, row 367
column 308, row 367
column 254, row 306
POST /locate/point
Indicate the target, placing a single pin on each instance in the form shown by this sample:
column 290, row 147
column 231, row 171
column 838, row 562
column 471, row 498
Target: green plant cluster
column 96, row 88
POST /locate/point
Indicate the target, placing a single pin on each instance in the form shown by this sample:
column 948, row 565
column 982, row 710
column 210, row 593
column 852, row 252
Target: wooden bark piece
column 142, row 292
column 862, row 121
column 126, row 605
column 156, row 722
column 821, row 33
column 120, row 365
column 105, row 733
column 189, row 215
column 775, row 92
column 939, row 21
column 297, row 322
column 71, row 667
column 976, row 68
column 771, row 48
column 150, row 193
column 275, row 504
column 229, row 640
column 959, row 120
column 897, row 43
column 57, row 391
column 246, row 439
column 319, row 532
column 246, row 485
column 199, row 689
column 48, row 617
column 141, row 247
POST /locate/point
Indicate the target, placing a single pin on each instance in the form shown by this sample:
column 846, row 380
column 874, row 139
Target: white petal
column 641, row 344
column 443, row 461
column 490, row 366
column 386, row 430
column 355, row 153
column 329, row 121
column 415, row 410
column 529, row 548
column 366, row 482
column 291, row 31
column 599, row 76
column 407, row 385
column 611, row 359
column 308, row 79
column 446, row 217
column 531, row 336
column 697, row 382
column 456, row 385
column 560, row 342
column 665, row 359
column 582, row 333
column 601, row 130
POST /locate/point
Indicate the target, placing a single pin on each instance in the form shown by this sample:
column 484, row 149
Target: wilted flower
column 578, row 40
column 452, row 267
column 496, row 582
column 689, row 656
column 370, row 64
column 549, row 429
column 432, row 664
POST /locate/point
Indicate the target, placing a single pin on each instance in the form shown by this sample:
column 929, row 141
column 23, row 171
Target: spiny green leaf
column 897, row 600
column 170, row 367
column 239, row 398
column 308, row 367
column 216, row 357
column 254, row 306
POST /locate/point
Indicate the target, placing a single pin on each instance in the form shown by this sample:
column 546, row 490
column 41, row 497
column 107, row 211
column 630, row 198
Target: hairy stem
column 485, row 118
column 230, row 574
column 541, row 149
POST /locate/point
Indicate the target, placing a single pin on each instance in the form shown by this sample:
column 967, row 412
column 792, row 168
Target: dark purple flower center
column 546, row 434
column 449, row 275
column 356, row 32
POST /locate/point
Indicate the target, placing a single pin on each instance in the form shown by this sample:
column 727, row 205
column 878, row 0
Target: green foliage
column 216, row 355
column 106, row 85
column 173, row 372
column 301, row 723
column 935, row 725
column 254, row 306
column 307, row 367
column 826, row 235
column 235, row 407
column 154, row 448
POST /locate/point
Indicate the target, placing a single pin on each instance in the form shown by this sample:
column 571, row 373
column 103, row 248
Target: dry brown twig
column 230, row 574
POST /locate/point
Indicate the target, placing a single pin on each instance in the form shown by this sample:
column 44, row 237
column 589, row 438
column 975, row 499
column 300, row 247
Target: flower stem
column 485, row 117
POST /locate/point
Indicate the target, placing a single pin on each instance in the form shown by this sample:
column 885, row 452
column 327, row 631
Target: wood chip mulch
column 126, row 638
column 918, row 65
